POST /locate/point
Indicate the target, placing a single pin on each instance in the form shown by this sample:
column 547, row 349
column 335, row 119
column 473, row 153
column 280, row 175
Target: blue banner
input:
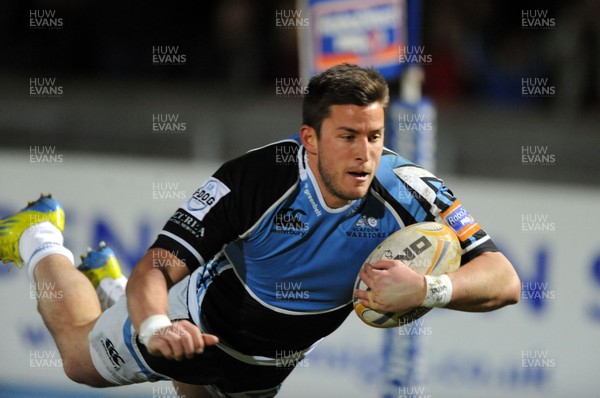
column 363, row 32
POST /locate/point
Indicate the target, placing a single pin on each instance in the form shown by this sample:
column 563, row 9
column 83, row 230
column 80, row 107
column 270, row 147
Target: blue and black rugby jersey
column 282, row 263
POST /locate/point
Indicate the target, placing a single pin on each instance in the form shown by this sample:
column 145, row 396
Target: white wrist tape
column 151, row 325
column 439, row 291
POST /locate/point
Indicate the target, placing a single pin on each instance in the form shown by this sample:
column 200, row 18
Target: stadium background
column 95, row 147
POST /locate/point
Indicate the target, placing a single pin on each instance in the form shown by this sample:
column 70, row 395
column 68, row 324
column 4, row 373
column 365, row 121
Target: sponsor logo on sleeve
column 206, row 197
column 189, row 223
column 459, row 219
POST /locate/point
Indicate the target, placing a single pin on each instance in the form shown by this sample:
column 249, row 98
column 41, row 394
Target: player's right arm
column 147, row 300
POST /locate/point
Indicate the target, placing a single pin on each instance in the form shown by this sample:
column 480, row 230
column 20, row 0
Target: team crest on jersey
column 206, row 197
column 366, row 227
column 365, row 221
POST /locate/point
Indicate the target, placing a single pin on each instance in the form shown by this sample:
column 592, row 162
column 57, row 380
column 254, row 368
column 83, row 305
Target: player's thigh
column 191, row 390
column 115, row 351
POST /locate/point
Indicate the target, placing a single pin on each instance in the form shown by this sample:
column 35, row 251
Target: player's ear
column 308, row 135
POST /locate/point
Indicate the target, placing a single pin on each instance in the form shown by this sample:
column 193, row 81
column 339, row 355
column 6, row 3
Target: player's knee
column 73, row 371
column 82, row 374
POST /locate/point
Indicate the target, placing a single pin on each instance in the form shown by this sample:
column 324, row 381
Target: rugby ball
column 430, row 248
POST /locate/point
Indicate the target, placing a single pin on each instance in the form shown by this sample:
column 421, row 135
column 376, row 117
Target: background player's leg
column 191, row 390
column 70, row 317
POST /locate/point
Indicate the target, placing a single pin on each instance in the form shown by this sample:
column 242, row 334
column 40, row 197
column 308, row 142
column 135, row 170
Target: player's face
column 348, row 152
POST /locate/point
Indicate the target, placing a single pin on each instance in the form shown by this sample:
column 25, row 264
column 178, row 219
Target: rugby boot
column 102, row 268
column 44, row 209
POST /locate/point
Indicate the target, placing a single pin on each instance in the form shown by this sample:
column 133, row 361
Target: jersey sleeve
column 473, row 239
column 202, row 225
column 430, row 200
column 227, row 205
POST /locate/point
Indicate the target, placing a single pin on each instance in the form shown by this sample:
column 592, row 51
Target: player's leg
column 33, row 237
column 71, row 318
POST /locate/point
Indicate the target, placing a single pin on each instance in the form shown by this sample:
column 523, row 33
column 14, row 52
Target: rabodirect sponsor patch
column 459, row 219
column 206, row 197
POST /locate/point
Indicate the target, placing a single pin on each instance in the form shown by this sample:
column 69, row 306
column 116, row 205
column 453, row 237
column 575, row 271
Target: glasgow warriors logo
column 366, row 227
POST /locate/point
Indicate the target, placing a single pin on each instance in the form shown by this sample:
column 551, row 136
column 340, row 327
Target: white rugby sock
column 38, row 242
column 110, row 290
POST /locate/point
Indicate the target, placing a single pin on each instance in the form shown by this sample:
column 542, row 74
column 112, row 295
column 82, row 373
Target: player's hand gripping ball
column 429, row 248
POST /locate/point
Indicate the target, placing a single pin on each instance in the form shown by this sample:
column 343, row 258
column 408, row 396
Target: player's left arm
column 485, row 283
column 486, row 279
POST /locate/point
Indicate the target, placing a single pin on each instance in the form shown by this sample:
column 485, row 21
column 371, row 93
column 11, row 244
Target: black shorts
column 217, row 368
column 272, row 343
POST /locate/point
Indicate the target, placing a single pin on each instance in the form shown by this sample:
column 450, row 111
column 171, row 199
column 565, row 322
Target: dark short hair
column 343, row 84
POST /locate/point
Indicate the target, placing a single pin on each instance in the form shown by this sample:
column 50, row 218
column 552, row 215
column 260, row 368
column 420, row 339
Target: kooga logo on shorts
column 112, row 353
column 206, row 197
